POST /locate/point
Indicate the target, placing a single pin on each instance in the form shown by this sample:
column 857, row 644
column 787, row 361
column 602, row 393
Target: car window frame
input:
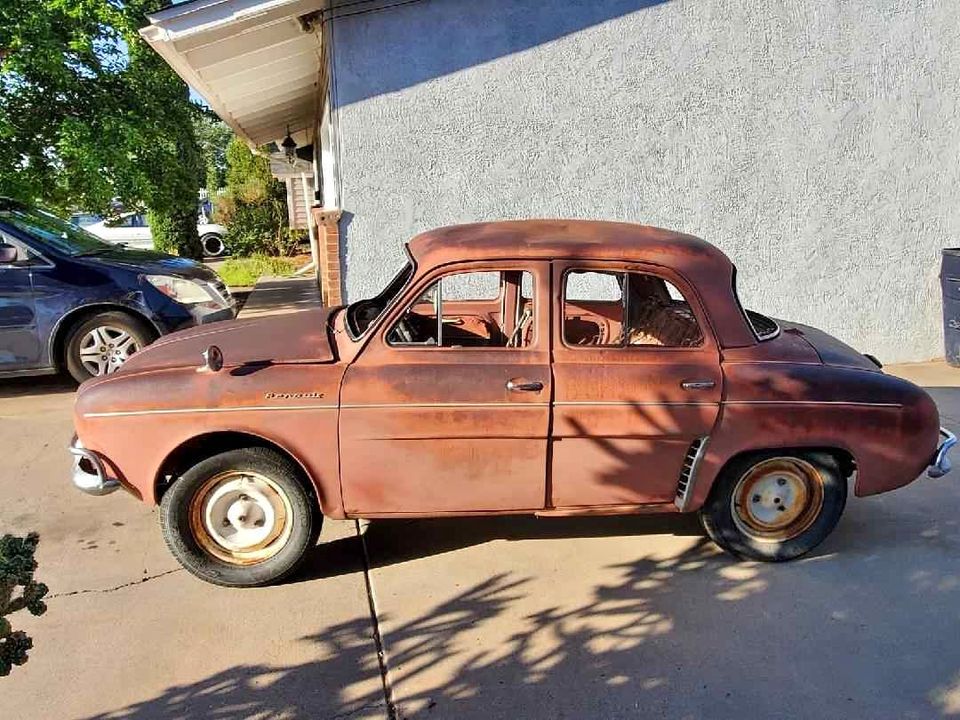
column 416, row 289
column 684, row 286
column 36, row 260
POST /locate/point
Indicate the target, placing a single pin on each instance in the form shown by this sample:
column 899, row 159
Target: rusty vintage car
column 552, row 368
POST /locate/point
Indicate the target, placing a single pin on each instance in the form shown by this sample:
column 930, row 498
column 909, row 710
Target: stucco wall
column 817, row 142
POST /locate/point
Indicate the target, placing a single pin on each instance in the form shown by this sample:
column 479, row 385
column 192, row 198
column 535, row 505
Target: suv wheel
column 101, row 344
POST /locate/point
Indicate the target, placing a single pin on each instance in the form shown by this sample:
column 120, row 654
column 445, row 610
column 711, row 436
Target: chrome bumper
column 89, row 473
column 941, row 460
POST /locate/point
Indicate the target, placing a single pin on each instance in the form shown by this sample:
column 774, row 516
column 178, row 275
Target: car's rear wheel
column 241, row 518
column 102, row 343
column 775, row 506
column 213, row 245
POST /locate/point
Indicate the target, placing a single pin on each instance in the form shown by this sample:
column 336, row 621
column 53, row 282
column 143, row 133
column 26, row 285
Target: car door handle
column 697, row 384
column 515, row 385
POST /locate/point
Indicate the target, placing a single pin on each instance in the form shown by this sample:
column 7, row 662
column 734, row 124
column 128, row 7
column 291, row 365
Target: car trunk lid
column 830, row 350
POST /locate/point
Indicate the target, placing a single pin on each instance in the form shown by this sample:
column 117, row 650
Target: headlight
column 186, row 292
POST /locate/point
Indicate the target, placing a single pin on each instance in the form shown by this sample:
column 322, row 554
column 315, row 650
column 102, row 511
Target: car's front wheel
column 213, row 245
column 101, row 344
column 775, row 506
column 241, row 518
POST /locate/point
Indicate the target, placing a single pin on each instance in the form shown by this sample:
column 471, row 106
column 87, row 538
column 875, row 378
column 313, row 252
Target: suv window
column 626, row 309
column 26, row 257
column 482, row 309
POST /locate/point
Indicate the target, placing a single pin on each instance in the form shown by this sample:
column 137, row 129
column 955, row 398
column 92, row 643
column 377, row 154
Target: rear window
column 763, row 327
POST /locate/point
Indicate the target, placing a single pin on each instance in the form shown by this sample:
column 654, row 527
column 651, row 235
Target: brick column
column 328, row 241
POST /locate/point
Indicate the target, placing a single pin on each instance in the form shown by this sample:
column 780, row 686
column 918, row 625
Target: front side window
column 51, row 231
column 626, row 309
column 26, row 257
column 483, row 309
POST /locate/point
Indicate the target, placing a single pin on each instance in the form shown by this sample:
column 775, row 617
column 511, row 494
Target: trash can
column 950, row 286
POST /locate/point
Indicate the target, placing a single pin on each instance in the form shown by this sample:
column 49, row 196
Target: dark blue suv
column 70, row 301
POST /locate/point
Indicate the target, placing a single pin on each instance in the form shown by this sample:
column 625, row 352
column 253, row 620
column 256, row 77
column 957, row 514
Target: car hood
column 300, row 337
column 152, row 263
column 831, row 351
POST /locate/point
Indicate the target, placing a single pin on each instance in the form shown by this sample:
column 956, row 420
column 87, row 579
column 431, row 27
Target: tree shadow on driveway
column 696, row 634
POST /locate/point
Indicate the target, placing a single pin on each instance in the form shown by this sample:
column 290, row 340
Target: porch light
column 289, row 146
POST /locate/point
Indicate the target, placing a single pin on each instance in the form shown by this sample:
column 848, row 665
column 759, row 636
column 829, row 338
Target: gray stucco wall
column 817, row 142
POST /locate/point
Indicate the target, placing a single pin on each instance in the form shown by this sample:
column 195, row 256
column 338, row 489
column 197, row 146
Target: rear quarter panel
column 888, row 425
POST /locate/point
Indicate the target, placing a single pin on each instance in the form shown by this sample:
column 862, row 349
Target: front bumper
column 89, row 473
column 940, row 465
column 204, row 316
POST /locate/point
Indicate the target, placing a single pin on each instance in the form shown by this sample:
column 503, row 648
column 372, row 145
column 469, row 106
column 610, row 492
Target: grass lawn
column 245, row 271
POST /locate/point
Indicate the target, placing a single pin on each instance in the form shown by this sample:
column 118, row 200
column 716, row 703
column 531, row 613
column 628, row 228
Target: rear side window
column 626, row 309
column 763, row 327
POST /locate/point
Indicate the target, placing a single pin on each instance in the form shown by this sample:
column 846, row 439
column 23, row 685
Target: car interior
column 496, row 309
column 476, row 309
column 616, row 309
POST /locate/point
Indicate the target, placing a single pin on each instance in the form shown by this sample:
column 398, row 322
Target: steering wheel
column 404, row 330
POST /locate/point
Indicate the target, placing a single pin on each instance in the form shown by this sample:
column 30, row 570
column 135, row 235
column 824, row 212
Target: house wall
column 816, row 143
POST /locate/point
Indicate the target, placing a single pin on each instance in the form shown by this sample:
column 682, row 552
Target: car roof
column 706, row 267
column 562, row 239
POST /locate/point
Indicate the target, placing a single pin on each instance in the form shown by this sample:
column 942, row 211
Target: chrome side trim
column 848, row 403
column 181, row 411
column 444, row 406
column 941, row 464
column 92, row 483
column 688, row 474
column 621, row 403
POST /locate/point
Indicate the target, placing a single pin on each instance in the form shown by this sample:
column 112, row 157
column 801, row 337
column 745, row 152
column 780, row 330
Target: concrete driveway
column 482, row 618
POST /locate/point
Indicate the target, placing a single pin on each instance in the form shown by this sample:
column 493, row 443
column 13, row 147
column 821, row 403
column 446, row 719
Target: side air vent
column 688, row 472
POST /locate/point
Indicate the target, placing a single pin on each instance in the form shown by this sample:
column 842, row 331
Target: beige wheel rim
column 777, row 499
column 241, row 518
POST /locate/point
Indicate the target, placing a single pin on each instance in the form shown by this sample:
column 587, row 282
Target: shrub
column 254, row 206
column 17, row 566
column 176, row 232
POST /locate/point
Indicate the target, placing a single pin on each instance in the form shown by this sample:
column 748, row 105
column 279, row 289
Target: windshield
column 363, row 313
column 50, row 230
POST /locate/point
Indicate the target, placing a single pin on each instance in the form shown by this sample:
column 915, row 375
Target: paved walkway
column 276, row 296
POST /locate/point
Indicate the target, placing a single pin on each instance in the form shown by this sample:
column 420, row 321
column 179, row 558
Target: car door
column 637, row 384
column 447, row 408
column 20, row 343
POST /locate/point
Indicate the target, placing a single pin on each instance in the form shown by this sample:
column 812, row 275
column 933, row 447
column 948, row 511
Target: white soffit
column 252, row 61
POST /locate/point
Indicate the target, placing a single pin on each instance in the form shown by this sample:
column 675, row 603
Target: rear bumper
column 89, row 473
column 940, row 465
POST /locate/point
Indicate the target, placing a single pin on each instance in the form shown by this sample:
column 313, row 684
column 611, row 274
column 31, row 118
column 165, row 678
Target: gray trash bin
column 950, row 285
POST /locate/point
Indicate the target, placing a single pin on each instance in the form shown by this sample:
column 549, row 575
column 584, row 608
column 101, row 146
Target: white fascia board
column 204, row 22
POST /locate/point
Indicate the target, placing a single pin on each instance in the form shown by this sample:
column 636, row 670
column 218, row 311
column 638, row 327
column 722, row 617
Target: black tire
column 178, row 501
column 734, row 534
column 139, row 331
column 213, row 245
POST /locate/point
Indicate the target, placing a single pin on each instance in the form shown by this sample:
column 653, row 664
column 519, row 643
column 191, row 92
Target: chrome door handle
column 697, row 384
column 523, row 386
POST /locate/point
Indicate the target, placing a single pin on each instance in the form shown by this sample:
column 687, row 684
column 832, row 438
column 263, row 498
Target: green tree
column 89, row 114
column 17, row 566
column 214, row 136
